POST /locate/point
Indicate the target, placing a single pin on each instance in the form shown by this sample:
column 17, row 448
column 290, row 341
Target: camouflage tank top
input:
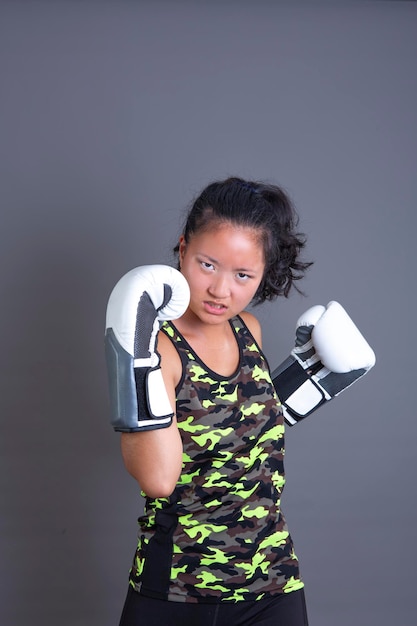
column 221, row 535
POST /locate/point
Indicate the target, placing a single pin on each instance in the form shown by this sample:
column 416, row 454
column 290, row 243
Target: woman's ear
column 181, row 249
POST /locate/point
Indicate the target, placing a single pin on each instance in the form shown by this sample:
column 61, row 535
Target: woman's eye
column 206, row 265
column 243, row 276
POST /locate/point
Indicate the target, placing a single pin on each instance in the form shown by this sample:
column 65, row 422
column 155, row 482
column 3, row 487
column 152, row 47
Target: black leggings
column 282, row 610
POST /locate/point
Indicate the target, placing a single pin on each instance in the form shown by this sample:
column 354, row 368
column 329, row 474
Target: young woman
column 214, row 547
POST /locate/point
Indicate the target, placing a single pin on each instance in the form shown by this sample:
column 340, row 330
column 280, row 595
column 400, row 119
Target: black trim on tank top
column 185, row 345
column 156, row 575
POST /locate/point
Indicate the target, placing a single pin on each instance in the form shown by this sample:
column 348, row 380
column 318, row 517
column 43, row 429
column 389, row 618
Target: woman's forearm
column 154, row 459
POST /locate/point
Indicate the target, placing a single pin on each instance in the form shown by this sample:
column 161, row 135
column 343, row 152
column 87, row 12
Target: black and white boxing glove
column 140, row 301
column 330, row 354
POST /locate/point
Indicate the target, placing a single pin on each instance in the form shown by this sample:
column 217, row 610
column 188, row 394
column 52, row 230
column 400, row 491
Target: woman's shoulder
column 253, row 324
column 170, row 360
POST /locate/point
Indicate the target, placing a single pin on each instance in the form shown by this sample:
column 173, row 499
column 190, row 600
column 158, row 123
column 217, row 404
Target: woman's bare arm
column 154, row 457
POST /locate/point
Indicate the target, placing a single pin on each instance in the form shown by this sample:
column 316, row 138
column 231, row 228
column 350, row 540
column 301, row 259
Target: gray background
column 113, row 115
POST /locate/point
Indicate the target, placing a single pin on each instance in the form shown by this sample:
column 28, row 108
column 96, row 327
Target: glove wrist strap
column 297, row 391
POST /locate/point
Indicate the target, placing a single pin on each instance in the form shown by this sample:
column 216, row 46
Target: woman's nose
column 219, row 286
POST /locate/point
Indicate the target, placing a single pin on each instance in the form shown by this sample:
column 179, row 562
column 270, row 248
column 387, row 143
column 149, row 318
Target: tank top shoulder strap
column 181, row 345
column 244, row 336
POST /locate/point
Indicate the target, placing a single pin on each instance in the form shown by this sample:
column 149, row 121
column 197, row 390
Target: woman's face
column 224, row 267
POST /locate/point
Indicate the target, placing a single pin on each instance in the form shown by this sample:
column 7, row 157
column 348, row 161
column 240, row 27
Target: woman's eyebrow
column 209, row 258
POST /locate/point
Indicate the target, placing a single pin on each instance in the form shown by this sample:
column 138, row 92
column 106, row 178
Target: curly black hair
column 263, row 207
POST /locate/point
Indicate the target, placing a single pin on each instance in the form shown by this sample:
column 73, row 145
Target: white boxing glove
column 330, row 354
column 140, row 301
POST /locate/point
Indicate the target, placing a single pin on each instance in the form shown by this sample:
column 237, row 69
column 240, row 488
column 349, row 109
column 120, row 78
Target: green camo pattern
column 224, row 536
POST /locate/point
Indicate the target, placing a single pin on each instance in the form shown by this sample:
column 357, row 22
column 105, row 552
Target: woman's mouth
column 215, row 308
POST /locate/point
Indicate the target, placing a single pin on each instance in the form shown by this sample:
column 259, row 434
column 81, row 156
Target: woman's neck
column 215, row 344
column 192, row 328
